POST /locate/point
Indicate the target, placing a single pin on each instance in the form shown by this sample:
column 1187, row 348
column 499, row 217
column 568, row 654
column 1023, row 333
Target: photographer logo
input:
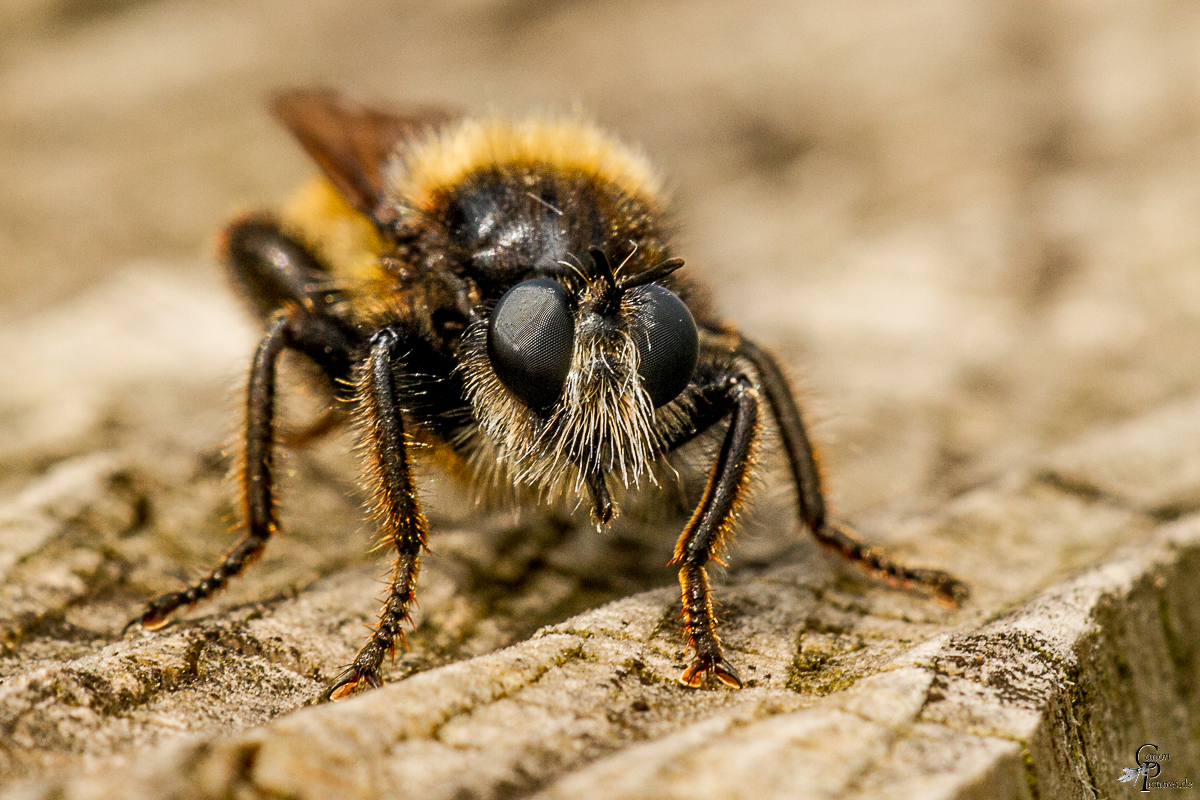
column 1149, row 766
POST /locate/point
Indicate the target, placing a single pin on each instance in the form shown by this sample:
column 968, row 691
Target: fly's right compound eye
column 531, row 335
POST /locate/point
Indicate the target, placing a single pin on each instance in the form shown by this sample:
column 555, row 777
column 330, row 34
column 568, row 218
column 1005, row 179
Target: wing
column 1130, row 774
column 351, row 142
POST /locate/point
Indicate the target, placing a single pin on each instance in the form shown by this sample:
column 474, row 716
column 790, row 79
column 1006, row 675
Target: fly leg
column 811, row 499
column 290, row 327
column 395, row 505
column 705, row 535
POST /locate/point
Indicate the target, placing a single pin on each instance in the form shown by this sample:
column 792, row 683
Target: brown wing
column 351, row 142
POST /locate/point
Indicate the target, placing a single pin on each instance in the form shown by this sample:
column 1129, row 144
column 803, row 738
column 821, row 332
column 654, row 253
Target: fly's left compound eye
column 667, row 342
column 531, row 335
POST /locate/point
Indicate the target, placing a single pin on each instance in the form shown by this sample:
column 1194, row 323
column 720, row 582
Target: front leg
column 290, row 327
column 811, row 499
column 710, row 525
column 395, row 507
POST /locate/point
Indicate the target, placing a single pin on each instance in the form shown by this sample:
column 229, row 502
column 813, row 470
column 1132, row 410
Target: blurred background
column 968, row 226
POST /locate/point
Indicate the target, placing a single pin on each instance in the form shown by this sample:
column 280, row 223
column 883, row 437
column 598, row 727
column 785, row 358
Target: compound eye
column 531, row 335
column 667, row 341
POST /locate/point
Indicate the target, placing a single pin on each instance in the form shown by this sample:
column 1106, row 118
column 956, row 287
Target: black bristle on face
column 656, row 273
column 610, row 300
column 603, row 267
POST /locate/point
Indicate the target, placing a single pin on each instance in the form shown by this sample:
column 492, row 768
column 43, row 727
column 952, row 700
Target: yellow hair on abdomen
column 430, row 164
column 345, row 240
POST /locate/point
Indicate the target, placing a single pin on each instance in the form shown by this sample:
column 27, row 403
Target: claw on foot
column 719, row 667
column 952, row 592
column 349, row 683
column 149, row 621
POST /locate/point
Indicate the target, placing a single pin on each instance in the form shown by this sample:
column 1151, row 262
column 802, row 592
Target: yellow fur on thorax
column 345, row 240
column 428, row 165
column 349, row 244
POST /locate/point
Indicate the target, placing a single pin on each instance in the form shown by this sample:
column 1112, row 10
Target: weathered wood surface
column 968, row 228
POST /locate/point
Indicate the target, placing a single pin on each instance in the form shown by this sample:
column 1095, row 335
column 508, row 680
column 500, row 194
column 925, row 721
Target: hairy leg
column 811, row 499
column 396, row 508
column 294, row 328
column 704, row 536
column 270, row 269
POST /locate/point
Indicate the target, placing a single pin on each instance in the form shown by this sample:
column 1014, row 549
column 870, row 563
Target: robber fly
column 504, row 294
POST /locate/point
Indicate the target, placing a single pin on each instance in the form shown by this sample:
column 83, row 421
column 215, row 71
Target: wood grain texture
column 967, row 228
